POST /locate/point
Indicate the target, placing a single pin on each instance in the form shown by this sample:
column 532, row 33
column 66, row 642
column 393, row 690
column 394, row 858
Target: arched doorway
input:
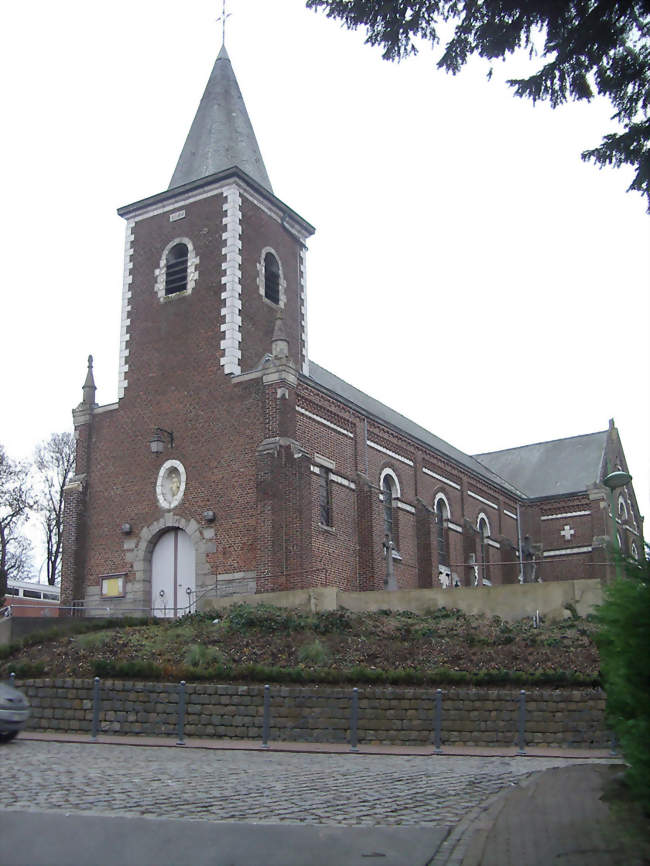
column 173, row 575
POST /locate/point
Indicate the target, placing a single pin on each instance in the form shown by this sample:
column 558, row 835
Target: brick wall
column 470, row 716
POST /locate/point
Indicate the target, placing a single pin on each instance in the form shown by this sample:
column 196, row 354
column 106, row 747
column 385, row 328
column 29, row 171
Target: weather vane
column 223, row 17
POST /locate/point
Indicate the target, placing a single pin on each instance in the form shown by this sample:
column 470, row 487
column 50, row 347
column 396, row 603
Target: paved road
column 253, row 786
column 83, row 804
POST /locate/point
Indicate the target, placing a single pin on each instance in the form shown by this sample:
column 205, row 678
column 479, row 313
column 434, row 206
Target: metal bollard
column 438, row 722
column 12, row 679
column 267, row 717
column 354, row 721
column 95, row 708
column 181, row 713
column 522, row 722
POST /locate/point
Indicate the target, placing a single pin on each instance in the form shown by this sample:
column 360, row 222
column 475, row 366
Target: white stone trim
column 122, row 381
column 324, row 421
column 567, row 550
column 405, row 507
column 388, row 471
column 167, row 465
column 438, row 497
column 338, row 479
column 493, row 543
column 231, row 281
column 261, row 278
column 484, row 501
column 324, row 461
column 108, row 407
column 389, row 453
column 302, row 267
column 510, row 514
column 483, row 516
column 565, row 514
column 454, row 526
column 441, row 478
column 160, row 272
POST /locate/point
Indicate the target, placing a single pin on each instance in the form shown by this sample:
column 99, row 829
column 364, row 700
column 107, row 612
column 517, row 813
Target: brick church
column 233, row 464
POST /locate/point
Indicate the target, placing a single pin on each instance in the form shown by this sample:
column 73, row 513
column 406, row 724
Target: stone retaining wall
column 470, row 716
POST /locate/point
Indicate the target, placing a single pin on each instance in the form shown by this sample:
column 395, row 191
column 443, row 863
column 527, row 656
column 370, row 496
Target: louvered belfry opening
column 271, row 278
column 176, row 269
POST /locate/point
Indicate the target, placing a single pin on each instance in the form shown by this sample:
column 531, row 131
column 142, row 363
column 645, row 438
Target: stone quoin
column 232, row 464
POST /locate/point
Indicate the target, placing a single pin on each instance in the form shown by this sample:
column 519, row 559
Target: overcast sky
column 468, row 269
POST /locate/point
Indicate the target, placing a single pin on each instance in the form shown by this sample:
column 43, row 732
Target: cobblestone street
column 264, row 787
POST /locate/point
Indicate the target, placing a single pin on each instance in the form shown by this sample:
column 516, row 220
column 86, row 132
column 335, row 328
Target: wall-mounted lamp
column 126, row 529
column 157, row 442
column 209, row 516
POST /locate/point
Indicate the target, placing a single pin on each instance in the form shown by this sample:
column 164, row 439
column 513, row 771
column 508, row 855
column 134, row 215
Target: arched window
column 622, row 508
column 271, row 278
column 484, row 532
column 634, row 550
column 442, row 516
column 176, row 269
column 388, row 491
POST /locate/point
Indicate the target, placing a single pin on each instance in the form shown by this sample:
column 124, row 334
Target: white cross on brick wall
column 567, row 532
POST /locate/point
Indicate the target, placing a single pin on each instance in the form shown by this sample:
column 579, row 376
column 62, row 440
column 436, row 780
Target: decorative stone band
column 231, row 281
column 484, row 501
column 568, row 550
column 405, row 506
column 454, row 526
column 440, row 478
column 324, row 421
column 389, row 453
column 493, row 543
column 565, row 514
column 336, row 479
column 126, row 309
column 510, row 513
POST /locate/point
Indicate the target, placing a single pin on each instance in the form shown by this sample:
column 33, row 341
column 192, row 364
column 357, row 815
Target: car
column 14, row 712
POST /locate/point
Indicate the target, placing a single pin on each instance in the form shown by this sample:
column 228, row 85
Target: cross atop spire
column 223, row 18
column 221, row 135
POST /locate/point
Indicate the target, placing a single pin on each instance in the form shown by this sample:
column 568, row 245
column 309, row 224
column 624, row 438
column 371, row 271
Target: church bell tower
column 213, row 339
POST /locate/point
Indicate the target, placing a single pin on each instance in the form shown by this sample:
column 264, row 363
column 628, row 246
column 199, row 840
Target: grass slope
column 266, row 643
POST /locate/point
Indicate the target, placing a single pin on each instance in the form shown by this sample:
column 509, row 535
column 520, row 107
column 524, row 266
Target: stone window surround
column 169, row 464
column 445, row 500
column 160, row 273
column 261, row 279
column 483, row 516
column 388, row 471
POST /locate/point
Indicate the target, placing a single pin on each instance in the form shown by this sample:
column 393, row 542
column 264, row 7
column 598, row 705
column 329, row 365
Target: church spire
column 221, row 135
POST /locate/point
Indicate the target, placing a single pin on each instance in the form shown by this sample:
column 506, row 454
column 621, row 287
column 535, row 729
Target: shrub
column 624, row 643
column 202, row 656
column 314, row 653
column 93, row 640
column 127, row 670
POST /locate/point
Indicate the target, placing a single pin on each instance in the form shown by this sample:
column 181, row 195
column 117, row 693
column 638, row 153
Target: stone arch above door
column 140, row 554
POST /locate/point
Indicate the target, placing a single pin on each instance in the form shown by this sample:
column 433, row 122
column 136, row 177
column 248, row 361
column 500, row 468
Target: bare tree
column 15, row 502
column 54, row 466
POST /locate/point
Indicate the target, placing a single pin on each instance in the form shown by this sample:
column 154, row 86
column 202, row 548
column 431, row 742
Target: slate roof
column 355, row 398
column 221, row 135
column 554, row 468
